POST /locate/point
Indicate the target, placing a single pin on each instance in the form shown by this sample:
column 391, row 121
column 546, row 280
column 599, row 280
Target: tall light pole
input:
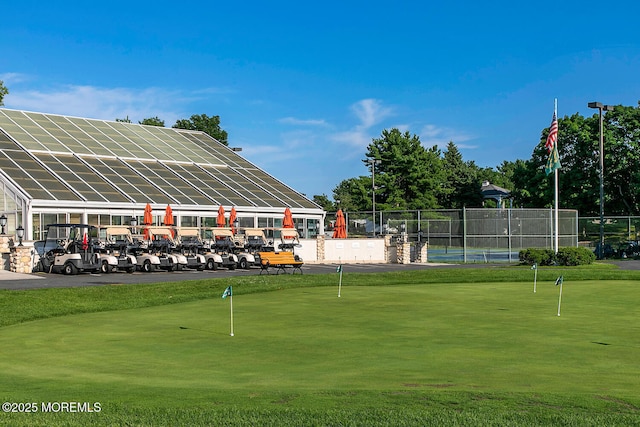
column 373, row 163
column 601, row 107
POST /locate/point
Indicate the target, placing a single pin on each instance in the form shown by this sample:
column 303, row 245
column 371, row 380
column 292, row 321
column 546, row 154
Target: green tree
column 152, row 121
column 407, row 176
column 206, row 124
column 461, row 185
column 125, row 120
column 354, row 194
column 622, row 160
column 324, row 202
column 3, row 92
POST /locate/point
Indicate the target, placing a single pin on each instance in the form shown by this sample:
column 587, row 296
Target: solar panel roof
column 53, row 157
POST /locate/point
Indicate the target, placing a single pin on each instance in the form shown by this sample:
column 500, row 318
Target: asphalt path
column 17, row 281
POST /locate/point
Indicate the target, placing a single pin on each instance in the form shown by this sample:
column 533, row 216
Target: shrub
column 565, row 256
column 537, row 256
column 575, row 256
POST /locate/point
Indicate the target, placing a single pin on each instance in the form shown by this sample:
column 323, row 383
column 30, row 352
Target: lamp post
column 20, row 234
column 3, row 222
column 601, row 107
column 373, row 163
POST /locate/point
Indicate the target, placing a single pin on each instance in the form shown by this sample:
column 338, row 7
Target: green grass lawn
column 434, row 347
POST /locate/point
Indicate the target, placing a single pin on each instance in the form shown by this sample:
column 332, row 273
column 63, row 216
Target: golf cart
column 161, row 244
column 115, row 241
column 68, row 249
column 236, row 245
column 221, row 244
column 190, row 245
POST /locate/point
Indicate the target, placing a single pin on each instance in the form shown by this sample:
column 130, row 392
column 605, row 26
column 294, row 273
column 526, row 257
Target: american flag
column 553, row 134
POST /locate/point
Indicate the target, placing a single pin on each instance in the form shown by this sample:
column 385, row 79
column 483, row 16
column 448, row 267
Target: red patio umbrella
column 168, row 218
column 340, row 227
column 232, row 218
column 221, row 221
column 147, row 219
column 287, row 221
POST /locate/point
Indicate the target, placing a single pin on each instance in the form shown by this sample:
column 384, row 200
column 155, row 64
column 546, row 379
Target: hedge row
column 565, row 256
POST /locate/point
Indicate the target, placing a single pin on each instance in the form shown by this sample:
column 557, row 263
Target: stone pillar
column 5, row 250
column 21, row 259
column 421, row 249
column 387, row 245
column 320, row 247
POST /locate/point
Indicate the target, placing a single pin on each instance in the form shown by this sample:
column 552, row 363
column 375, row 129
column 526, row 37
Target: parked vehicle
column 221, row 245
column 191, row 246
column 145, row 261
column 246, row 259
column 115, row 241
column 255, row 242
column 289, row 239
column 68, row 249
column 161, row 243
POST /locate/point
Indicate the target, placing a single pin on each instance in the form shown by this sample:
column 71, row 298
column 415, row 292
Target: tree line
column 409, row 175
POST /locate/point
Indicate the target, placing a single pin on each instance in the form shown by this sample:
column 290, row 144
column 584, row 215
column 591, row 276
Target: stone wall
column 21, row 259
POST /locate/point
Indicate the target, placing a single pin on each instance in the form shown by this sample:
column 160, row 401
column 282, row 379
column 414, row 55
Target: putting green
column 494, row 337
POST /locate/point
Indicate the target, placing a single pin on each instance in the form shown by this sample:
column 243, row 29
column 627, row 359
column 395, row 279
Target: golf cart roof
column 254, row 232
column 288, row 233
column 190, row 231
column 117, row 230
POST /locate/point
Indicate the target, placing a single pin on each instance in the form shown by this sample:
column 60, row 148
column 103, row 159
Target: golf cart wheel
column 211, row 264
column 104, row 267
column 244, row 264
column 146, row 266
column 131, row 270
column 69, row 269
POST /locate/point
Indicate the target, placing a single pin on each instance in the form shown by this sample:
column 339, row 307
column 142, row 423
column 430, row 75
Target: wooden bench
column 279, row 261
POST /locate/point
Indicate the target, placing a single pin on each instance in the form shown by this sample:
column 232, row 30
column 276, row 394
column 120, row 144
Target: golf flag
column 227, row 292
column 559, row 281
column 339, row 269
column 535, row 276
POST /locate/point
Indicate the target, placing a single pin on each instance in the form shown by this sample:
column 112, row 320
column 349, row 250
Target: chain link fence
column 469, row 235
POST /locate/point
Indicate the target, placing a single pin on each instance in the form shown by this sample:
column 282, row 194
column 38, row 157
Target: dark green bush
column 575, row 256
column 565, row 256
column 537, row 256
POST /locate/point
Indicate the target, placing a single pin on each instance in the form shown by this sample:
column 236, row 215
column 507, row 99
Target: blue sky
column 303, row 87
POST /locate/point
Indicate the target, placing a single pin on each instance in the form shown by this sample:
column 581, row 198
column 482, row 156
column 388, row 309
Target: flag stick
column 535, row 278
column 231, row 307
column 340, row 283
column 560, row 298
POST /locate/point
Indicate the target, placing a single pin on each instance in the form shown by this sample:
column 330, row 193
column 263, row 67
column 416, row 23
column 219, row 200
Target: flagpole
column 560, row 297
column 555, row 112
column 535, row 277
column 340, row 282
column 231, row 306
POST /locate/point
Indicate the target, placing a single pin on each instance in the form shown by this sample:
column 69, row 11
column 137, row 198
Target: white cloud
column 302, row 122
column 12, row 78
column 433, row 135
column 99, row 103
column 370, row 112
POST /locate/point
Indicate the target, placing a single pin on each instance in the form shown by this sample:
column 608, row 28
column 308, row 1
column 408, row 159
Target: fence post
column 464, row 233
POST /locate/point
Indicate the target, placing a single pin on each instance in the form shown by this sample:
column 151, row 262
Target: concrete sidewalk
column 8, row 275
